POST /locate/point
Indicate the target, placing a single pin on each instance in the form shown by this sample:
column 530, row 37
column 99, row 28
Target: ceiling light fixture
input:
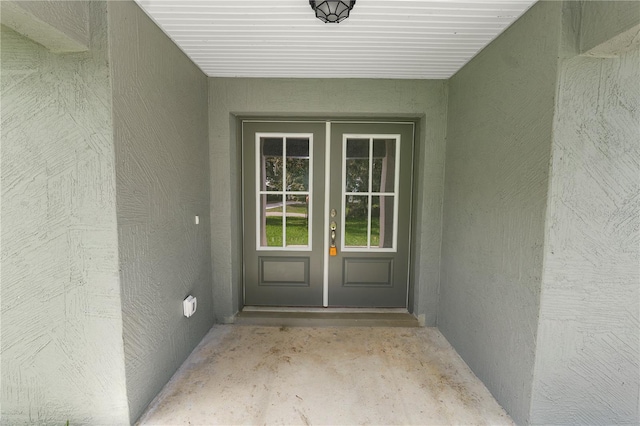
column 332, row 11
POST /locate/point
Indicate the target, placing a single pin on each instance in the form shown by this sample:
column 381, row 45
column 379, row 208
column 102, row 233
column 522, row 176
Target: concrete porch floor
column 324, row 376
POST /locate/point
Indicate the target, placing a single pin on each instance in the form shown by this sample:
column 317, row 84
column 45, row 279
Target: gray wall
column 588, row 351
column 540, row 263
column 161, row 146
column 353, row 98
column 498, row 151
column 60, row 26
column 62, row 351
column 607, row 26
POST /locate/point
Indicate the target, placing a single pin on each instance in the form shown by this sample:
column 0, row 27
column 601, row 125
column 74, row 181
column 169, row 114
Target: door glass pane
column 356, row 220
column 297, row 164
column 382, row 209
column 371, row 173
column 284, row 190
column 297, row 214
column 271, row 167
column 384, row 165
column 357, row 165
column 271, row 220
column 375, row 221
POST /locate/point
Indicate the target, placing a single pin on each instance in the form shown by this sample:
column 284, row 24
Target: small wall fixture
column 332, row 11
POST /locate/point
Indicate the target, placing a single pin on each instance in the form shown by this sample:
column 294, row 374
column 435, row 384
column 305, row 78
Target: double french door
column 326, row 213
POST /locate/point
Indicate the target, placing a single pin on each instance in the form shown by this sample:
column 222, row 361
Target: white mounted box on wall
column 189, row 306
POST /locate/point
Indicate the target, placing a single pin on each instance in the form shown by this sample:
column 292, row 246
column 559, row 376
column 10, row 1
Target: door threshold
column 321, row 309
column 326, row 317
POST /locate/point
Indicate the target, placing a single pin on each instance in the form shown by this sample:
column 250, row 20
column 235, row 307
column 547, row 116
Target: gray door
column 346, row 246
column 372, row 203
column 283, row 206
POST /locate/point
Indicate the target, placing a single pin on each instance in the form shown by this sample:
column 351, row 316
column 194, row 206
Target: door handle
column 333, row 251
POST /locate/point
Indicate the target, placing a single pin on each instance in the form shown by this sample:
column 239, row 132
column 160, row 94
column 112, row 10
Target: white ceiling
column 421, row 39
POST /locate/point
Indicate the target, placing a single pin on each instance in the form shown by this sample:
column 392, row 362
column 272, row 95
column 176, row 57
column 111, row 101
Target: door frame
column 328, row 121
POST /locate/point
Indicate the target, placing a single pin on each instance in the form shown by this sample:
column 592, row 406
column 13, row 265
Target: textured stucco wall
column 60, row 26
column 498, row 151
column 161, row 145
column 62, row 351
column 423, row 100
column 605, row 22
column 588, row 351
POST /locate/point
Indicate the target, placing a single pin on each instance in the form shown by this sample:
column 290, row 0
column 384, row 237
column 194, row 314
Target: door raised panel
column 283, row 271
column 359, row 272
